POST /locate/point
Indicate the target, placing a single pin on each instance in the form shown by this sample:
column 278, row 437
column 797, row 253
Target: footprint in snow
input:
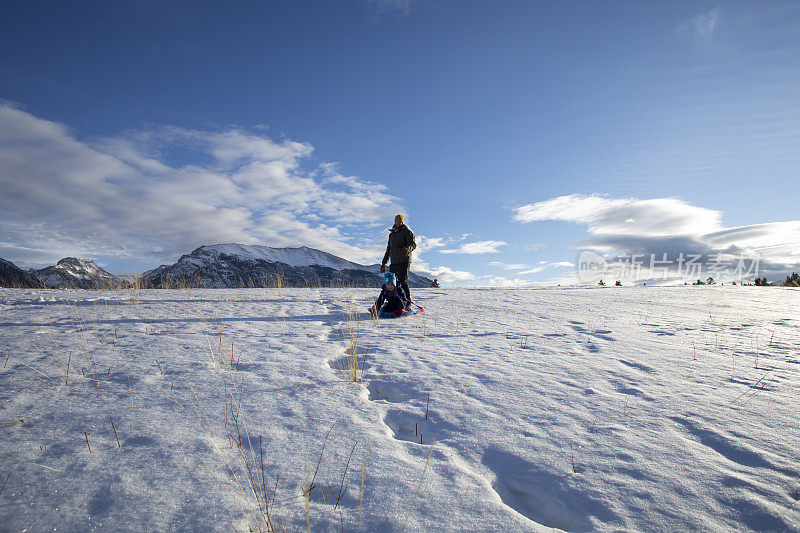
column 413, row 426
column 392, row 392
column 546, row 498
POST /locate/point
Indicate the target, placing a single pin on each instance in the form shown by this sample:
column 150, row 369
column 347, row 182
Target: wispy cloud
column 397, row 7
column 503, row 282
column 544, row 265
column 701, row 28
column 524, row 269
column 534, row 270
column 476, row 248
column 508, row 266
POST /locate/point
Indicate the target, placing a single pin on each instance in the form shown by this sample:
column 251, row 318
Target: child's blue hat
column 389, row 277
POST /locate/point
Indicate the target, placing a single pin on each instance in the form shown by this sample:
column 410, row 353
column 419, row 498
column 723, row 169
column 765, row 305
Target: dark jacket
column 401, row 244
column 390, row 301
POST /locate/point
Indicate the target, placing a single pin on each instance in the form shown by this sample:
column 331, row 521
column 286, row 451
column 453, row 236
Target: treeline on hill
column 265, row 281
column 792, row 281
column 192, row 282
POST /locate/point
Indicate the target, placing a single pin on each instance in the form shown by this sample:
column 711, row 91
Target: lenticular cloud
column 630, row 227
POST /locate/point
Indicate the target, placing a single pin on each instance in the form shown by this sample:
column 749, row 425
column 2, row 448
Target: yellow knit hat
column 400, row 219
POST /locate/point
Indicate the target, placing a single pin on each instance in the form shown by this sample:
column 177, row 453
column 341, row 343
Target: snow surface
column 667, row 409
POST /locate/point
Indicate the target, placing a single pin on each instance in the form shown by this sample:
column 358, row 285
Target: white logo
column 591, row 266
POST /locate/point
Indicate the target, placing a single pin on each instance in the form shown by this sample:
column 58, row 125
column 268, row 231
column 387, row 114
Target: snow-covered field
column 668, row 409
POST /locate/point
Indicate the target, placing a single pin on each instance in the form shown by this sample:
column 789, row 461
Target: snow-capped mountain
column 74, row 273
column 295, row 257
column 238, row 265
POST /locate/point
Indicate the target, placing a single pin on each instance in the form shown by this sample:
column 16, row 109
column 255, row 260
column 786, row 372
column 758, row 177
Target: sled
column 401, row 312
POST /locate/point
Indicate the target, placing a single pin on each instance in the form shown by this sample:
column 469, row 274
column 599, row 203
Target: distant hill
column 69, row 273
column 237, row 265
column 13, row 276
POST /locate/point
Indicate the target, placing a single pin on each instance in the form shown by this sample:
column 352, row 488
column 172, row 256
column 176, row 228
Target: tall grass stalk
column 349, row 366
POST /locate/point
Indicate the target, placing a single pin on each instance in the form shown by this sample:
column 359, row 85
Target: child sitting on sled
column 392, row 301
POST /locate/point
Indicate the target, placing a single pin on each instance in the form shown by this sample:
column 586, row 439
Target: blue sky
column 512, row 133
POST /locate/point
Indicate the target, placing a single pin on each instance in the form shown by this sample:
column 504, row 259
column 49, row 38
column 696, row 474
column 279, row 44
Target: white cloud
column 500, row 281
column 122, row 197
column 444, row 274
column 629, row 216
column 482, row 247
column 425, row 244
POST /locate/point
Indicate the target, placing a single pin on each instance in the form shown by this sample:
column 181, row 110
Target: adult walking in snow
column 401, row 244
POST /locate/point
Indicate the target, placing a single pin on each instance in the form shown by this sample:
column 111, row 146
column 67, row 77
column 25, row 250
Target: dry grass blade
column 419, row 486
column 4, row 483
column 342, row 486
column 130, row 394
column 198, row 405
column 30, row 462
column 361, row 490
column 49, row 379
column 307, row 502
column 115, row 431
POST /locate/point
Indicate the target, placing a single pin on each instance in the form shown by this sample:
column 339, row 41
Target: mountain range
column 216, row 266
